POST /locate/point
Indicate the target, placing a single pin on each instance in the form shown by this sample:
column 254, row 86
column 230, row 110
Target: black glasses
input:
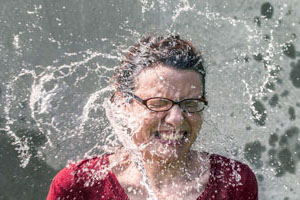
column 159, row 104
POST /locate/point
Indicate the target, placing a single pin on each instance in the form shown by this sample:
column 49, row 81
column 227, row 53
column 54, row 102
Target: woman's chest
column 179, row 190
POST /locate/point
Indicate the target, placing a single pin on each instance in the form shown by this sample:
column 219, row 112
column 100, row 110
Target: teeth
column 171, row 136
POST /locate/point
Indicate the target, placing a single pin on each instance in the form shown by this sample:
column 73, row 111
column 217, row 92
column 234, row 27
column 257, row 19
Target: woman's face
column 165, row 135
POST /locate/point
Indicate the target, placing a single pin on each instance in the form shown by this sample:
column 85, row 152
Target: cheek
column 196, row 121
column 146, row 123
column 150, row 121
column 143, row 116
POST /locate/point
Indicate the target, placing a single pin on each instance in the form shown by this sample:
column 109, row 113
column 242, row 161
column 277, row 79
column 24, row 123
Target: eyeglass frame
column 144, row 102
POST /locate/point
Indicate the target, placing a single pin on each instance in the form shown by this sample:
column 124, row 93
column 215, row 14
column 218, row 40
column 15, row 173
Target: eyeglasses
column 159, row 104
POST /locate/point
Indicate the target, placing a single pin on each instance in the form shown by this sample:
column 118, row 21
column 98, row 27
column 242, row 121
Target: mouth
column 171, row 137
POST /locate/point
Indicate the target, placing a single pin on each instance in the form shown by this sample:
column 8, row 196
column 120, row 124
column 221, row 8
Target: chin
column 157, row 149
column 165, row 154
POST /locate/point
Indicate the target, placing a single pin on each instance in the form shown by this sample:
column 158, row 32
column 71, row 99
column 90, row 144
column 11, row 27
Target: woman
column 160, row 87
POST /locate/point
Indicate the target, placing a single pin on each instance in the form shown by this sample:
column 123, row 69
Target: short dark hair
column 168, row 50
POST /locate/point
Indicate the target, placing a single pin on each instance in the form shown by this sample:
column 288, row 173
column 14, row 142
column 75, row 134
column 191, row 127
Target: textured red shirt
column 92, row 180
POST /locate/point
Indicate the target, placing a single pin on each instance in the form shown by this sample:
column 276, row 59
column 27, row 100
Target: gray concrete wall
column 56, row 57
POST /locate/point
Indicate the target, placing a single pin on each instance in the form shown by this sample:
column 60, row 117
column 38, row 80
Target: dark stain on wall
column 274, row 100
column 266, row 37
column 285, row 157
column 285, row 93
column 292, row 113
column 297, row 150
column 260, row 177
column 248, row 128
column 260, row 114
column 295, row 74
column 289, row 50
column 279, row 80
column 253, row 153
column 2, row 122
column 273, row 139
column 258, row 57
column 267, row 10
column 292, row 132
column 286, row 160
column 270, row 86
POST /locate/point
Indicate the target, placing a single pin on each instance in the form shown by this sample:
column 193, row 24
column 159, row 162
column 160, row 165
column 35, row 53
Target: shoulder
column 84, row 169
column 234, row 175
column 75, row 177
column 229, row 165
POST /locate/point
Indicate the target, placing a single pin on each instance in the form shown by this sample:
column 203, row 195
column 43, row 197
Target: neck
column 161, row 172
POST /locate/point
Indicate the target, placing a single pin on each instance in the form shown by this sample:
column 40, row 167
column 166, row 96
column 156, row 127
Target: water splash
column 59, row 101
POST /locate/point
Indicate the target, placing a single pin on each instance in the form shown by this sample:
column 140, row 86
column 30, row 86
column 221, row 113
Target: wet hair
column 153, row 50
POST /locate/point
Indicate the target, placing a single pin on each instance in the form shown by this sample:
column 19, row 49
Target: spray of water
column 67, row 102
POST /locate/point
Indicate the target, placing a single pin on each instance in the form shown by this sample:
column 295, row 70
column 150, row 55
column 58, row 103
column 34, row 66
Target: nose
column 174, row 117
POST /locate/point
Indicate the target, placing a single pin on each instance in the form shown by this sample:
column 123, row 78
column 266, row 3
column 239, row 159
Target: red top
column 91, row 179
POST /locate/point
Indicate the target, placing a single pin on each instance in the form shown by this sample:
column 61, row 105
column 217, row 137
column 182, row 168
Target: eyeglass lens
column 161, row 104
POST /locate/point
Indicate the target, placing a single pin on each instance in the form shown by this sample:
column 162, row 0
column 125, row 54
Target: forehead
column 166, row 81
